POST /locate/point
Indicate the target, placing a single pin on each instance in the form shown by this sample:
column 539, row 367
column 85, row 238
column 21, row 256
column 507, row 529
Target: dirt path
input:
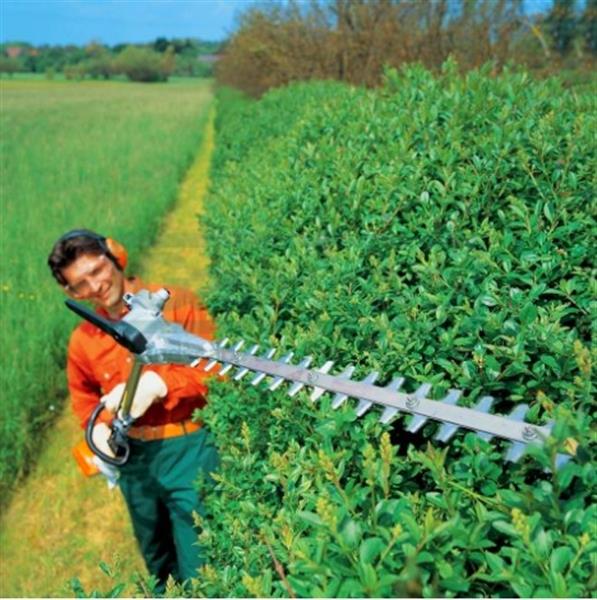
column 60, row 525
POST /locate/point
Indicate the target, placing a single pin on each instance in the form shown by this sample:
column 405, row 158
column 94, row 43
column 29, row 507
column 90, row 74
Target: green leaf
column 350, row 534
column 105, row 568
column 506, row 528
column 558, row 585
column 528, row 314
column 492, row 367
column 566, row 474
column 425, row 557
column 370, row 549
column 542, row 542
column 445, row 569
column 437, row 500
column 560, row 558
column 496, row 563
column 388, row 579
column 456, row 584
column 368, row 578
column 551, row 362
column 350, row 588
column 488, row 300
column 522, row 588
column 548, row 212
column 410, row 523
column 310, row 517
column 116, row 591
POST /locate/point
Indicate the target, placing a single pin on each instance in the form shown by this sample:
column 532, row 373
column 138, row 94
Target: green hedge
column 439, row 228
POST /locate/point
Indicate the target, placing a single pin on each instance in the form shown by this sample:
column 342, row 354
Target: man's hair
column 74, row 244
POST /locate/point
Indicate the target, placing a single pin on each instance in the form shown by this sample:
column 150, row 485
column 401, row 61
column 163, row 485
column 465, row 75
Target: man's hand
column 100, row 435
column 112, row 399
column 151, row 388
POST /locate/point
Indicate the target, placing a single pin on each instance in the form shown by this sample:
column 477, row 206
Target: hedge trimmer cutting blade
column 154, row 340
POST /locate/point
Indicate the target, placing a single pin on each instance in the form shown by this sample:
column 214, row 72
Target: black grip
column 122, row 451
column 124, row 333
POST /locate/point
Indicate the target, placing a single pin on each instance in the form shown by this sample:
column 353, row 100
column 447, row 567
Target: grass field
column 104, row 155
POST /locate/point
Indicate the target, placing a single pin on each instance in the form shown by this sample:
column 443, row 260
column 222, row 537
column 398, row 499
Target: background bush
column 352, row 40
column 439, row 228
column 142, row 64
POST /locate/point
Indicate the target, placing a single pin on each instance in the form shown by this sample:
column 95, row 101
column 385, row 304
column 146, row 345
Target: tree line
column 353, row 40
column 154, row 61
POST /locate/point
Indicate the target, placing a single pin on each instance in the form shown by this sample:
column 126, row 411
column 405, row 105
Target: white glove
column 100, row 435
column 112, row 399
column 151, row 387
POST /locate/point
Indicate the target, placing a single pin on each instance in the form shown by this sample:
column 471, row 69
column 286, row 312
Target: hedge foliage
column 439, row 228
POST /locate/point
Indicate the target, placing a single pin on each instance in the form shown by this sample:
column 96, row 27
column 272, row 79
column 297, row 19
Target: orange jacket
column 96, row 364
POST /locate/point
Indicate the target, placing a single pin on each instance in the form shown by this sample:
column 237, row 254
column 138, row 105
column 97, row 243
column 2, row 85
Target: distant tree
column 352, row 40
column 589, row 26
column 74, row 72
column 168, row 61
column 193, row 66
column 99, row 67
column 140, row 64
column 95, row 49
column 9, row 65
column 561, row 24
column 161, row 44
column 30, row 61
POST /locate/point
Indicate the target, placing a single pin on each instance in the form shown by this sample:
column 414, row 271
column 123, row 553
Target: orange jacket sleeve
column 85, row 392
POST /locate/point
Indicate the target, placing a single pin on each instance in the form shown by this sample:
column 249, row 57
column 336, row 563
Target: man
column 168, row 450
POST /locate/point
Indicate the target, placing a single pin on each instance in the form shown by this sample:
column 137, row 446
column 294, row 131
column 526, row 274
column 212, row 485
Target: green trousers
column 158, row 483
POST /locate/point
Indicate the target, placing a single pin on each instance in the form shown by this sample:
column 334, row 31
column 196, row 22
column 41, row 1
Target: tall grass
column 107, row 156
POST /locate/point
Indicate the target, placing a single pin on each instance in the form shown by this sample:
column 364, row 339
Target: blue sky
column 115, row 21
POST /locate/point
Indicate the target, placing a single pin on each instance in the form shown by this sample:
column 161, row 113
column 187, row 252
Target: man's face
column 94, row 277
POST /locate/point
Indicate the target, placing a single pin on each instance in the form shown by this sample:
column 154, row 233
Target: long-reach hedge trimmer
column 153, row 340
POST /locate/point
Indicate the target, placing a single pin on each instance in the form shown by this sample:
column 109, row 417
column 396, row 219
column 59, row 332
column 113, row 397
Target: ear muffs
column 110, row 247
column 118, row 251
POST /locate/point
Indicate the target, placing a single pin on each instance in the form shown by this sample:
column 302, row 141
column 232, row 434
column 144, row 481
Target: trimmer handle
column 124, row 333
column 118, row 441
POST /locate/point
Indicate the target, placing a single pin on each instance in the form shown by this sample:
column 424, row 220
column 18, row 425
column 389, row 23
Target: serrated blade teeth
column 365, row 405
column 418, row 420
column 339, row 397
column 390, row 412
column 484, row 405
column 298, row 385
column 212, row 363
column 243, row 370
column 229, row 366
column 278, row 381
column 517, row 449
column 318, row 391
column 260, row 376
column 447, row 430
